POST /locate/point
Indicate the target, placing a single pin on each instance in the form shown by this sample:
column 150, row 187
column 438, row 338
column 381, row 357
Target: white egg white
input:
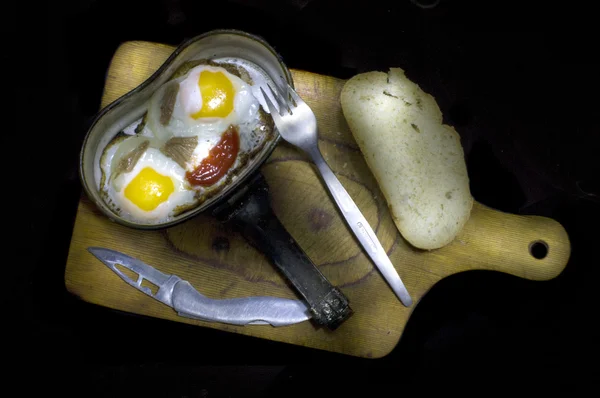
column 189, row 101
column 155, row 159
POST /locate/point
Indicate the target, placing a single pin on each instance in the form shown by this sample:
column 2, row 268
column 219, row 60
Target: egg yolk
column 217, row 95
column 149, row 189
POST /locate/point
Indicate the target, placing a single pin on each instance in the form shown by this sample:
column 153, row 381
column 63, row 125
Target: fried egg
column 204, row 103
column 151, row 191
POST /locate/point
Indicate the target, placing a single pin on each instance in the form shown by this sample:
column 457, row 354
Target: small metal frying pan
column 244, row 202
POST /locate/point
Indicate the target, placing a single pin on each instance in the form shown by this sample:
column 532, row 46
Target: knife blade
column 188, row 302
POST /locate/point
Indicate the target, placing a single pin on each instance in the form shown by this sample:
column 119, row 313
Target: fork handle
column 360, row 227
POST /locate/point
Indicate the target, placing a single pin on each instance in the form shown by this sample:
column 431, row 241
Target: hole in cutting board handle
column 538, row 249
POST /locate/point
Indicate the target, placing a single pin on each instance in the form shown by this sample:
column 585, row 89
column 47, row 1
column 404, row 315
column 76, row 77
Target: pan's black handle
column 249, row 210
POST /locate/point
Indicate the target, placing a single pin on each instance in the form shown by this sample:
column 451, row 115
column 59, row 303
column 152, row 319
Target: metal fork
column 297, row 124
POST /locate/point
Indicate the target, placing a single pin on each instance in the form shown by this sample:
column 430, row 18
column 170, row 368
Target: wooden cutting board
column 221, row 264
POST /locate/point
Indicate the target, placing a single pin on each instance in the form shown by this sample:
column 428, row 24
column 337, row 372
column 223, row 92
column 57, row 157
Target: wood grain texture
column 221, row 264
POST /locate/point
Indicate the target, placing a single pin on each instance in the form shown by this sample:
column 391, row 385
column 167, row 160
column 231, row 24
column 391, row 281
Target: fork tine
column 295, row 96
column 281, row 100
column 272, row 109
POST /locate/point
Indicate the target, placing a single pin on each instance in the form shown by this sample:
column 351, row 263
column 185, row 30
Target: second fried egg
column 203, row 103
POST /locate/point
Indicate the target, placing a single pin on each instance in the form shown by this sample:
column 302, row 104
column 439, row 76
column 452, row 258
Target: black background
column 519, row 81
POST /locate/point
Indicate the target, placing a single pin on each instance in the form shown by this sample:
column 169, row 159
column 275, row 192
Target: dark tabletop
column 521, row 85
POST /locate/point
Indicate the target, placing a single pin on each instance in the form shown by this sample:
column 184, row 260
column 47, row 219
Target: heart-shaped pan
column 126, row 110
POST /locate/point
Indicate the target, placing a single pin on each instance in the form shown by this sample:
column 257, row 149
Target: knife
column 188, row 302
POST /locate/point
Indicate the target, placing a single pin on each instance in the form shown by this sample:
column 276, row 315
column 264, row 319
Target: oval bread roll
column 417, row 160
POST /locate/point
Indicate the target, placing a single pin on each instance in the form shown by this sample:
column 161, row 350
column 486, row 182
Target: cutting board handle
column 530, row 247
column 250, row 212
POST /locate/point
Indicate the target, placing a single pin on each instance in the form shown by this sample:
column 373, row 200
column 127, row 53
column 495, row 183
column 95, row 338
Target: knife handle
column 249, row 210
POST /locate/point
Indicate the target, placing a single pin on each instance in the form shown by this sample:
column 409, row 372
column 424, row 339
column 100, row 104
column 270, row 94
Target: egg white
column 153, row 158
column 189, row 101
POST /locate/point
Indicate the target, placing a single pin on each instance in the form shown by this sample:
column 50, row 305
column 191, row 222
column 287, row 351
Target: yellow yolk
column 149, row 189
column 217, row 95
